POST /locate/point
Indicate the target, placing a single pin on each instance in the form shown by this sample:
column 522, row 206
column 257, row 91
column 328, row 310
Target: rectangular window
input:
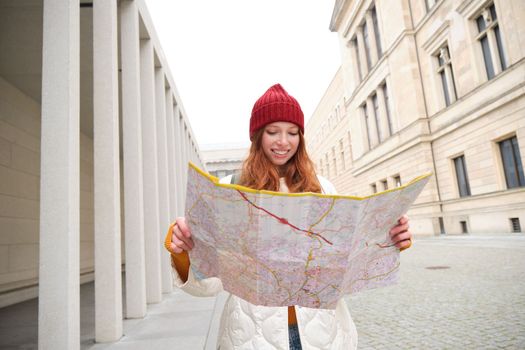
column 441, row 226
column 375, row 103
column 376, row 32
column 447, row 76
column 327, row 165
column 334, row 159
column 387, row 107
column 367, row 45
column 367, row 124
column 461, row 176
column 373, row 187
column 464, row 228
column 511, row 159
column 384, row 183
column 342, row 151
column 397, row 180
column 489, row 37
column 515, row 224
column 485, row 48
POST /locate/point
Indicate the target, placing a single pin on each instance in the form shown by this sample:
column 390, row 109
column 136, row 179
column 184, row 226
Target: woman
column 278, row 162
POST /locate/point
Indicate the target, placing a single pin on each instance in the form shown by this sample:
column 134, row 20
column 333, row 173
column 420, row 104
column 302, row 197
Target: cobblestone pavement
column 472, row 297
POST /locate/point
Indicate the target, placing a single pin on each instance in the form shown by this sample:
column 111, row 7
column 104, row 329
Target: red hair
column 259, row 173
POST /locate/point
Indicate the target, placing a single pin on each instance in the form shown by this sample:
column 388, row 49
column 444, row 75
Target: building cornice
column 339, row 7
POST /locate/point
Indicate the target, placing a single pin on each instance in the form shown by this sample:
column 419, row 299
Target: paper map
column 280, row 249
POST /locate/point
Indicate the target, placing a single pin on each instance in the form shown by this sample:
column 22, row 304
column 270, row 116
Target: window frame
column 445, row 71
column 334, row 158
column 470, row 10
column 377, row 34
column 517, row 162
column 364, row 110
column 377, row 117
column 486, row 14
column 383, row 86
column 342, row 154
column 461, row 191
column 367, row 45
column 396, row 183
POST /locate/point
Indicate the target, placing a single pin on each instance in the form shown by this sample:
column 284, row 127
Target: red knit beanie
column 275, row 105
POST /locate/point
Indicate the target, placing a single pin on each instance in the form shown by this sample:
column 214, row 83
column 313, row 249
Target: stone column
column 164, row 193
column 356, row 65
column 371, row 37
column 362, row 51
column 184, row 161
column 149, row 167
column 374, row 136
column 59, row 294
column 171, row 124
column 383, row 115
column 132, row 149
column 178, row 162
column 108, row 271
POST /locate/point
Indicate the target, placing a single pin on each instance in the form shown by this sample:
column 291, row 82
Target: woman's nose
column 283, row 139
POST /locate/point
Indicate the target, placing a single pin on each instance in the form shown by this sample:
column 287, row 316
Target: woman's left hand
column 400, row 235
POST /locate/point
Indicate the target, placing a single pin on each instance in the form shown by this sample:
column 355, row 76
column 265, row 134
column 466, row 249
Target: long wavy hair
column 259, row 173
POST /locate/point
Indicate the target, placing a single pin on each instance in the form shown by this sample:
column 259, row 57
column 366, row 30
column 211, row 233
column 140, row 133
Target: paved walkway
column 455, row 293
column 462, row 292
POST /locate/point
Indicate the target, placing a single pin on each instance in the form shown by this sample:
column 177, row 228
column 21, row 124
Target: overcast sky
column 224, row 54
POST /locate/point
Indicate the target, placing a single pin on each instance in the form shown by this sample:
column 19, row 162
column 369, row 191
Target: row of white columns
column 157, row 144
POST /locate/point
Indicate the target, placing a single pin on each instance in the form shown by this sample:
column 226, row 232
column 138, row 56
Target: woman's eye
column 271, row 132
column 293, row 133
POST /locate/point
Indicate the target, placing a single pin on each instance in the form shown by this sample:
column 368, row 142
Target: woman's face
column 280, row 141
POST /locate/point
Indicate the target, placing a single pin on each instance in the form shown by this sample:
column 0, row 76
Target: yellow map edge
column 215, row 181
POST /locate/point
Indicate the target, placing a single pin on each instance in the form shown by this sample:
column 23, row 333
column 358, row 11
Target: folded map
column 281, row 249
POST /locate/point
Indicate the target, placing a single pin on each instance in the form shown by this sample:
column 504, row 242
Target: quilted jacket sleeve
column 207, row 287
column 184, row 278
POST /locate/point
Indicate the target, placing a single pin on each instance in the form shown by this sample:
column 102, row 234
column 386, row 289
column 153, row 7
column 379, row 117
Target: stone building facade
column 224, row 159
column 429, row 86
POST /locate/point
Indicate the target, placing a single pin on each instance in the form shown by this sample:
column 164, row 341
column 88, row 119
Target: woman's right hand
column 181, row 236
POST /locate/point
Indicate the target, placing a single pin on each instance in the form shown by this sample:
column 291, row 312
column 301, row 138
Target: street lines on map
column 385, row 245
column 374, row 277
column 283, row 220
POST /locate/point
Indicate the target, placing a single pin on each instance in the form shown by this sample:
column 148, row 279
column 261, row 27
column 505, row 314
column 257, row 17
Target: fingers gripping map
column 280, row 249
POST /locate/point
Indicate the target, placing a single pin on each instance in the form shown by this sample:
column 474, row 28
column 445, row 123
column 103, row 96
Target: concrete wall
column 19, row 187
column 20, row 192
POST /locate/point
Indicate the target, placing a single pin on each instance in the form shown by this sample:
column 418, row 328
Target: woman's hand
column 400, row 235
column 181, row 237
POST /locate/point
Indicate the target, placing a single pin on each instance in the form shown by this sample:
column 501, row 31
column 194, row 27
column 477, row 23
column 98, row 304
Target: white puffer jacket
column 246, row 326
